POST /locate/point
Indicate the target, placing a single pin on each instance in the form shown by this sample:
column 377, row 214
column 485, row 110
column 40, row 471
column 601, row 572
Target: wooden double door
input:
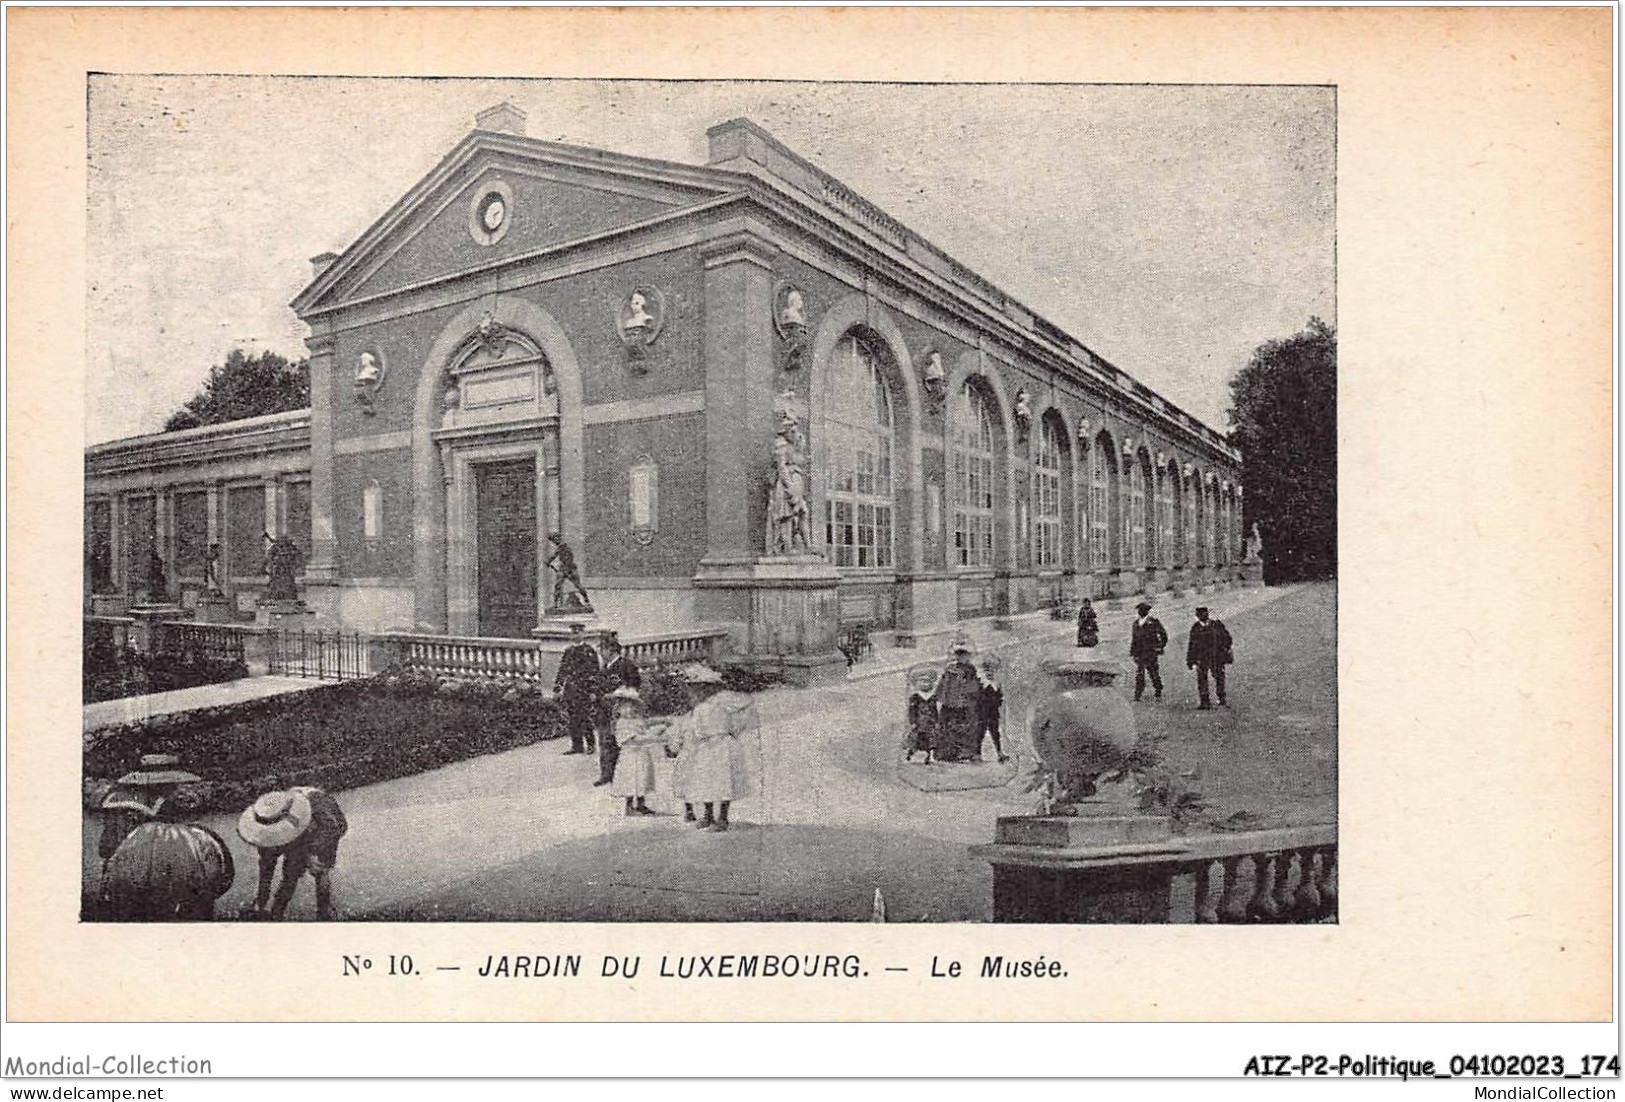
column 506, row 535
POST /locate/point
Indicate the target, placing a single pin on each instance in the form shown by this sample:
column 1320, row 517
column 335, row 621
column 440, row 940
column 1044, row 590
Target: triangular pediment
column 497, row 197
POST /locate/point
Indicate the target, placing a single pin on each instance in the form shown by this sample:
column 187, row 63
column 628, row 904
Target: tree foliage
column 1283, row 417
column 245, row 386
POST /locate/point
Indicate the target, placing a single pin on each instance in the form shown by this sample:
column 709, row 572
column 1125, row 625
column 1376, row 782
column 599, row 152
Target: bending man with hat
column 1150, row 639
column 300, row 827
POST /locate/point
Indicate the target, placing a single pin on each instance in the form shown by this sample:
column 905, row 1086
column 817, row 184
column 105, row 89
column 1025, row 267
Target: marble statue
column 1255, row 546
column 795, row 308
column 1024, row 410
column 211, row 569
column 789, row 519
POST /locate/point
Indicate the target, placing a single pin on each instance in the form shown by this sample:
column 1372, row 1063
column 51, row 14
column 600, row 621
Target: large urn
column 1082, row 728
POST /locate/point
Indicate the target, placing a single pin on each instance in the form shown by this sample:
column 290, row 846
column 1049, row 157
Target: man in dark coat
column 620, row 672
column 959, row 701
column 576, row 686
column 1146, row 647
column 1208, row 652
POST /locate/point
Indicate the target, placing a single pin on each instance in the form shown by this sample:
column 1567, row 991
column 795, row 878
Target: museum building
column 744, row 395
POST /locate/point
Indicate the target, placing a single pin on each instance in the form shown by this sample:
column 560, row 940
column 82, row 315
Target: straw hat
column 626, row 692
column 275, row 820
column 158, row 769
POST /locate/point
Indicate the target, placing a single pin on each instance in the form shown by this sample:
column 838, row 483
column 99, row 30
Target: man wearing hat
column 959, row 700
column 143, row 796
column 1209, row 651
column 301, row 827
column 620, row 672
column 576, row 686
column 1145, row 647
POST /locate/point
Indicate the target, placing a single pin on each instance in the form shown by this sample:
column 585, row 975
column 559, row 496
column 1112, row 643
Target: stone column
column 780, row 609
column 321, row 567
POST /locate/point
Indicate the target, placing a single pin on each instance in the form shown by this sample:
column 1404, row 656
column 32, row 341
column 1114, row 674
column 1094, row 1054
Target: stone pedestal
column 782, row 613
column 213, row 608
column 109, row 604
column 284, row 615
column 1110, row 863
column 1252, row 573
column 146, row 624
column 1001, row 602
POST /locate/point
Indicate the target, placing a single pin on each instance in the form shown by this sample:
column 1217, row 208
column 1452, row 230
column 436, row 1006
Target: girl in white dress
column 713, row 766
column 635, row 769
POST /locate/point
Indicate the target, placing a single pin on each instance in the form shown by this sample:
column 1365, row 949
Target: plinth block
column 1069, row 831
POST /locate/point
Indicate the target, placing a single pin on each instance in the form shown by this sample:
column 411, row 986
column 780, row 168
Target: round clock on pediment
column 491, row 211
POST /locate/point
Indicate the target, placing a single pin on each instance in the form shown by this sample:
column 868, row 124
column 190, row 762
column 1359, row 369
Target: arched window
column 1100, row 553
column 1047, row 496
column 970, row 433
column 1134, row 516
column 858, row 458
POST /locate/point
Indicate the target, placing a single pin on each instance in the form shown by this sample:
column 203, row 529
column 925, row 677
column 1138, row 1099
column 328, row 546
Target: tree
column 1283, row 417
column 245, row 386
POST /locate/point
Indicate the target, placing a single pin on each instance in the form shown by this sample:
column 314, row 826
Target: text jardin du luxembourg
column 745, row 966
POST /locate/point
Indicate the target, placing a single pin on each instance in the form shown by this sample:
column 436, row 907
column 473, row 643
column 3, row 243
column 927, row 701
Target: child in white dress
column 635, row 769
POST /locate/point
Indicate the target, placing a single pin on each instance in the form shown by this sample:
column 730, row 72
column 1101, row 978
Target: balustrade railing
column 701, row 645
column 191, row 642
column 108, row 632
column 470, row 656
column 1287, row 875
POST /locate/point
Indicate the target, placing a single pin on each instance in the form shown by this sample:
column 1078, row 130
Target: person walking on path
column 634, row 776
column 301, row 827
column 1088, row 625
column 1149, row 641
column 959, row 703
column 1209, row 652
column 576, row 687
column 620, row 672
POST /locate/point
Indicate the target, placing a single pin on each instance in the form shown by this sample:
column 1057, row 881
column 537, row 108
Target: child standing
column 634, row 776
column 923, row 721
column 990, row 706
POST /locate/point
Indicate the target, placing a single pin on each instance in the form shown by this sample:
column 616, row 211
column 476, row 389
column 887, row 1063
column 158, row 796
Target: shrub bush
column 334, row 736
column 109, row 673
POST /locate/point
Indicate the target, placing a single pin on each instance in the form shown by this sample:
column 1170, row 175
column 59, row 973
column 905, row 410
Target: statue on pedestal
column 157, row 578
column 211, row 570
column 282, row 561
column 1255, row 547
column 563, row 563
column 789, row 519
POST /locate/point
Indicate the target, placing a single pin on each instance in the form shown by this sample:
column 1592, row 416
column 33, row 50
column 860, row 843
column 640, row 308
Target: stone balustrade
column 1287, row 875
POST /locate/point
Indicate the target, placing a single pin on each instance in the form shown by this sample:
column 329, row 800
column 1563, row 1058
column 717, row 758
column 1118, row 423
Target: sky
column 1172, row 229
